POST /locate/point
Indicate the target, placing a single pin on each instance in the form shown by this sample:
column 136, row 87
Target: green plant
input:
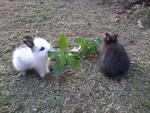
column 88, row 47
column 63, row 56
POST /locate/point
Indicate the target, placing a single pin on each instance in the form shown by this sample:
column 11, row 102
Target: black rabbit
column 114, row 61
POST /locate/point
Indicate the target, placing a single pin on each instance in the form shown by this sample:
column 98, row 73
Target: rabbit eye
column 42, row 48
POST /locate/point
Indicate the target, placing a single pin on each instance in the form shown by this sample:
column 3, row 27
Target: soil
column 87, row 90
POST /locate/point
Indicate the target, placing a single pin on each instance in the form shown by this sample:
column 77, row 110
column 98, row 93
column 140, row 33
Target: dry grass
column 85, row 91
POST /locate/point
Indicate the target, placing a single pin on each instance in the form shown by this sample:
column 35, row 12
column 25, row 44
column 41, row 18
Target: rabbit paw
column 47, row 71
column 42, row 75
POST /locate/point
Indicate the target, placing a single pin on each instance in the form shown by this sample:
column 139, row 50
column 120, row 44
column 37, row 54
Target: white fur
column 25, row 58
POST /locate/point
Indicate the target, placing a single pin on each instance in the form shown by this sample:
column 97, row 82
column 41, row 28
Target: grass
column 86, row 90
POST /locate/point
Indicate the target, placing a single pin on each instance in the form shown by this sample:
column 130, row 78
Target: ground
column 85, row 91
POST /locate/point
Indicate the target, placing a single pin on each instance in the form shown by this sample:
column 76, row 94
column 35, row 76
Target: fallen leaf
column 117, row 19
column 140, row 24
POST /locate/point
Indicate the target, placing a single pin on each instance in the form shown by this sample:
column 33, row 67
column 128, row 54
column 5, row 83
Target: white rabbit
column 33, row 54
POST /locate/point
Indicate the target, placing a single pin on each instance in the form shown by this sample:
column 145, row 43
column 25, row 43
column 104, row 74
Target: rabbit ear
column 29, row 38
column 29, row 43
column 107, row 34
column 115, row 37
column 108, row 37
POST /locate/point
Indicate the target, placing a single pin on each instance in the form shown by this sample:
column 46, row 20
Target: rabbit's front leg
column 47, row 67
column 41, row 72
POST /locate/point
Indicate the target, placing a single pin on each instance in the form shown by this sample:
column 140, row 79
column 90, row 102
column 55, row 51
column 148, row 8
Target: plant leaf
column 62, row 42
column 80, row 42
column 60, row 61
column 57, row 70
column 72, row 61
column 98, row 41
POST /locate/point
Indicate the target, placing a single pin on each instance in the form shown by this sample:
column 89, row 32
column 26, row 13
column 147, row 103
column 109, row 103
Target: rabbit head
column 40, row 47
column 110, row 39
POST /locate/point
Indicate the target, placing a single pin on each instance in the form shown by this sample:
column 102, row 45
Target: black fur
column 114, row 61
